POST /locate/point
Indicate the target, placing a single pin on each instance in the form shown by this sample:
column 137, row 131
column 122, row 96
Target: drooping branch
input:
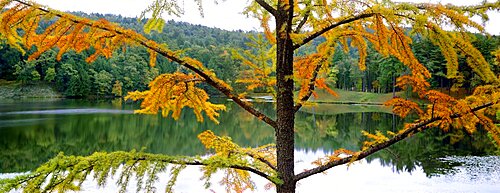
column 310, row 88
column 330, row 27
column 202, row 163
column 171, row 55
column 403, row 135
column 64, row 171
column 400, row 6
column 215, row 83
column 267, row 7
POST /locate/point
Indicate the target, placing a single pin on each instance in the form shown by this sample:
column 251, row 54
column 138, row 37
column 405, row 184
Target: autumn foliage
column 171, row 93
column 280, row 67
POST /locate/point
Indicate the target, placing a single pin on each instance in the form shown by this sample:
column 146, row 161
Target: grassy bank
column 345, row 102
column 14, row 89
column 329, row 108
column 351, row 97
column 344, row 97
column 348, row 102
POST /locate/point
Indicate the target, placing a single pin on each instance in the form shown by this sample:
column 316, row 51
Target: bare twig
column 324, row 30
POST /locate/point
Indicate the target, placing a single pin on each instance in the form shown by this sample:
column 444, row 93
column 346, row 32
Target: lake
column 33, row 131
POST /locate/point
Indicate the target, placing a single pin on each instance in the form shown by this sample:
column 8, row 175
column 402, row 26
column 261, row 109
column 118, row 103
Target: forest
column 437, row 67
column 127, row 70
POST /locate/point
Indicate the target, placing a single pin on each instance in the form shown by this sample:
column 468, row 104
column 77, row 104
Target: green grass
column 351, row 97
column 345, row 97
column 330, row 109
column 347, row 102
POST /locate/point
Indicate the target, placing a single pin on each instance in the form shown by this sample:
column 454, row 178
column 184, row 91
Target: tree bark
column 285, row 111
column 393, row 86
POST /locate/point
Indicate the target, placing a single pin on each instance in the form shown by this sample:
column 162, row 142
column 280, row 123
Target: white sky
column 226, row 15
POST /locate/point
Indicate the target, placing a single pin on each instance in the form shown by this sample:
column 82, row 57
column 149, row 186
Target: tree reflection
column 42, row 136
column 343, row 130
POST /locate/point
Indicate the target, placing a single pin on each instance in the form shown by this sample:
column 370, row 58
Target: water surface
column 31, row 132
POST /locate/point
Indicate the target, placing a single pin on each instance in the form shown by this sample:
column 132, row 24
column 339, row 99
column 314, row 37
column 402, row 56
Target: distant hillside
column 180, row 35
column 127, row 67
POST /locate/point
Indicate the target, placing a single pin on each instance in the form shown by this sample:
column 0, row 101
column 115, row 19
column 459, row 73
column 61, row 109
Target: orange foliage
column 403, row 107
column 308, row 69
column 418, row 83
column 336, row 155
column 171, row 93
column 69, row 32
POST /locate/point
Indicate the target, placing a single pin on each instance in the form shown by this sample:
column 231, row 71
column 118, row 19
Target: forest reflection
column 29, row 139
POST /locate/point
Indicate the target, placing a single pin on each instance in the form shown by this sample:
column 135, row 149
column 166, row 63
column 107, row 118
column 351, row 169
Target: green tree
column 296, row 23
column 344, row 63
column 66, row 79
column 103, row 83
column 50, row 75
column 117, row 89
column 35, row 76
column 430, row 55
column 71, row 81
column 10, row 57
column 44, row 62
column 26, row 72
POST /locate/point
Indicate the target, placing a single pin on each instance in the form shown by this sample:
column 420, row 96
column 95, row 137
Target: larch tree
column 288, row 25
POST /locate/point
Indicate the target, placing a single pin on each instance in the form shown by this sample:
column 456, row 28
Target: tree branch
column 324, row 30
column 201, row 163
column 141, row 40
column 267, row 7
column 422, row 6
column 407, row 133
column 470, row 8
column 310, row 88
column 262, row 160
column 303, row 21
column 69, row 166
column 214, row 83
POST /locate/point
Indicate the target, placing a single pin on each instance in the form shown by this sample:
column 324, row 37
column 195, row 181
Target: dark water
column 31, row 132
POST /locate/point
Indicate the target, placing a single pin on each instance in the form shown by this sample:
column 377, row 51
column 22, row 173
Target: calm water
column 31, row 132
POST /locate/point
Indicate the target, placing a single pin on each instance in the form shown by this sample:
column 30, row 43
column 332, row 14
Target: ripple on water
column 474, row 170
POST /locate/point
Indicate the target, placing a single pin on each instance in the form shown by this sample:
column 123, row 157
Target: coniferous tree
column 297, row 23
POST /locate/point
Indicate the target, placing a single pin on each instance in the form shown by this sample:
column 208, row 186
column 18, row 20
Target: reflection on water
column 33, row 132
column 69, row 112
column 19, row 122
column 360, row 177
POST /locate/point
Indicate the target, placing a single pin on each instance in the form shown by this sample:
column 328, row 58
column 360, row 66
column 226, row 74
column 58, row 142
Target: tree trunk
column 393, row 86
column 285, row 111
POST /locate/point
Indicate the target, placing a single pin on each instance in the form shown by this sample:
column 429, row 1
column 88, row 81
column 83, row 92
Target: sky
column 225, row 15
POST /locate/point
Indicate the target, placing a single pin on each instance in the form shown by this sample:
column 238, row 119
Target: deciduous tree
column 288, row 25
